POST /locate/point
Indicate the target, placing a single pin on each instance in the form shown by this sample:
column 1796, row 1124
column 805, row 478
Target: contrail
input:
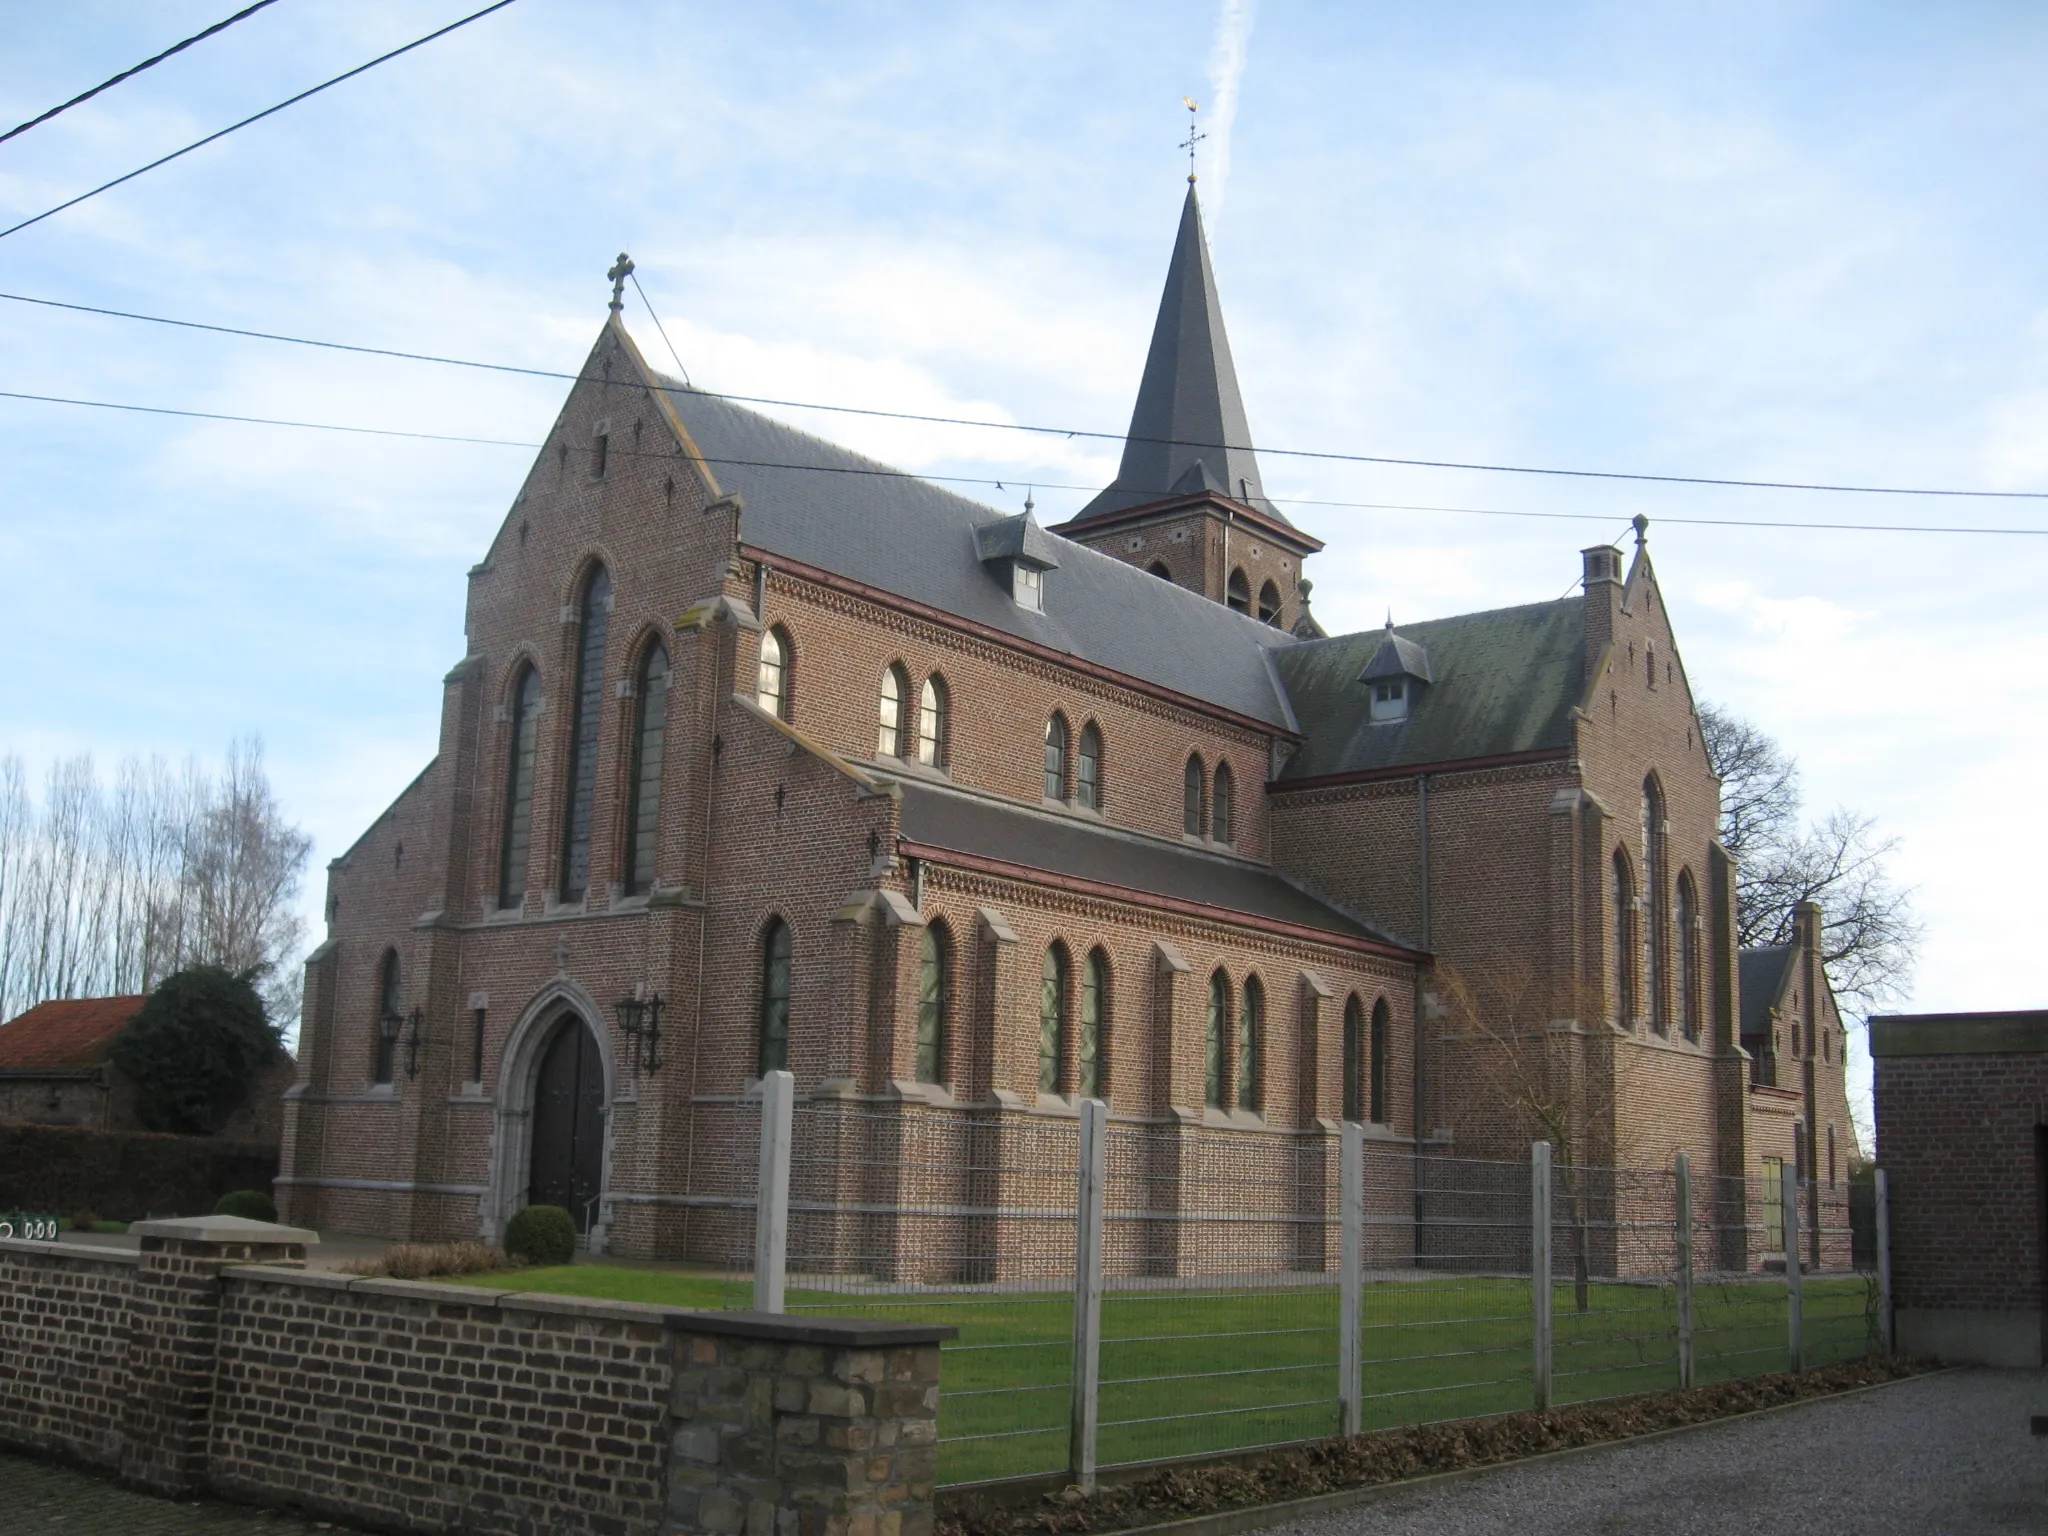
column 1234, row 21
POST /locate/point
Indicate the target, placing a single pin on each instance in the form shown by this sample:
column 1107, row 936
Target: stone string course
column 439, row 1408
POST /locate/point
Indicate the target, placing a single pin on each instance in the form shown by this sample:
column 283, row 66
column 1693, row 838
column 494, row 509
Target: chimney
column 1603, row 597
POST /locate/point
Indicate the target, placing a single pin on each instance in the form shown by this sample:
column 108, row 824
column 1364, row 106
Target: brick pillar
column 174, row 1335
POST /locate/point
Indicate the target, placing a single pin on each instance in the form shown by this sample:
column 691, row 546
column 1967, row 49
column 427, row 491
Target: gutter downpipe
column 1421, row 1013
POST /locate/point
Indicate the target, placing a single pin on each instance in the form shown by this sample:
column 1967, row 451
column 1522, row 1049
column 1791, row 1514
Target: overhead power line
column 882, row 472
column 1092, row 434
column 126, row 74
column 384, row 58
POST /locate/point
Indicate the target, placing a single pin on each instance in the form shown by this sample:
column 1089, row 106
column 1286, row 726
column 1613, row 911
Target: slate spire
column 1188, row 432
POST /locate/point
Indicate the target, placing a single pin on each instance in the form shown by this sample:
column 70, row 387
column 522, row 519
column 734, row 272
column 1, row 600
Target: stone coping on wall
column 1960, row 1034
column 92, row 1252
column 829, row 1332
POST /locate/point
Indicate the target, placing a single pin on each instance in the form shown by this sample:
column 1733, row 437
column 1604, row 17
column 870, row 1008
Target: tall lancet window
column 650, row 726
column 516, row 841
column 581, row 791
column 1655, row 929
column 1624, row 942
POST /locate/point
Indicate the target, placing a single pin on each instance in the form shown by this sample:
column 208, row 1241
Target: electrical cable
column 673, row 354
column 882, row 472
column 1062, row 432
column 256, row 118
column 196, row 37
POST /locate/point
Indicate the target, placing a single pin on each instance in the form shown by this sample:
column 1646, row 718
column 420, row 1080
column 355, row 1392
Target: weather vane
column 1195, row 136
column 621, row 270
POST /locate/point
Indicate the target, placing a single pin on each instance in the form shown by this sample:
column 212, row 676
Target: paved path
column 1948, row 1455
column 41, row 1498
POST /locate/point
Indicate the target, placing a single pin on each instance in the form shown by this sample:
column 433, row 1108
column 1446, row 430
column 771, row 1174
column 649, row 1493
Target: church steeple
column 1187, row 501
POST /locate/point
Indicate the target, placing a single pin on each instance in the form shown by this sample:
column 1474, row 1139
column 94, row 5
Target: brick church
column 761, row 755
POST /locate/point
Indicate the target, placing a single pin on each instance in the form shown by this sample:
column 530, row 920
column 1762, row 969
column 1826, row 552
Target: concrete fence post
column 1795, row 1312
column 1884, row 1262
column 1681, row 1189
column 771, row 1204
column 1539, row 1270
column 1087, row 1294
column 1351, row 1278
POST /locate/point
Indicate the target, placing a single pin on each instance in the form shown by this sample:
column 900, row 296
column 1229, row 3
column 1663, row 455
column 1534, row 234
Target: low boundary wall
column 212, row 1360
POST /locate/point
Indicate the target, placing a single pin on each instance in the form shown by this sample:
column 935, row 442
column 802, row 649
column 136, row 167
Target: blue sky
column 1776, row 241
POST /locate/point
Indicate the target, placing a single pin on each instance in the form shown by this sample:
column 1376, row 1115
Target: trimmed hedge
column 541, row 1234
column 249, row 1204
column 125, row 1175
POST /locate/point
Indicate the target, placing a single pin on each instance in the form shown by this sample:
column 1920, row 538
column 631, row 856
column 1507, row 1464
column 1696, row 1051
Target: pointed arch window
column 1269, row 604
column 889, row 734
column 579, row 797
column 1056, row 757
column 1624, row 942
column 1219, row 805
column 1688, row 957
column 1193, row 814
column 1091, row 1080
column 1238, row 592
column 650, row 728
column 1382, row 1033
column 515, row 843
column 1655, row 933
column 1052, row 1019
column 934, row 722
column 1215, row 1043
column 1251, row 1045
column 1088, row 769
column 934, row 1003
column 771, row 686
column 771, row 1053
column 1354, row 1058
column 390, row 1015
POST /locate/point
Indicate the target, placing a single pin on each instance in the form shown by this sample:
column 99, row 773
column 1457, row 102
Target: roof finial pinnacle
column 621, row 270
column 1390, row 621
column 1028, row 502
column 1642, row 527
column 1195, row 135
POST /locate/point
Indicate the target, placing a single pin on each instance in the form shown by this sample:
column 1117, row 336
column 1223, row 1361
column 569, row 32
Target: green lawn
column 1191, row 1370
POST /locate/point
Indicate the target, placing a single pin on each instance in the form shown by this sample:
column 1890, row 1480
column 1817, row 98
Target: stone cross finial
column 621, row 270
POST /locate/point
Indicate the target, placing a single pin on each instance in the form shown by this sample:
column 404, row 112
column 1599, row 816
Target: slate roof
column 1188, row 429
column 69, row 1035
column 1505, row 682
column 946, row 818
column 1760, row 974
column 849, row 515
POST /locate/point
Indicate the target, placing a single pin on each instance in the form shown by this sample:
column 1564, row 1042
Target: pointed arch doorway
column 565, row 1161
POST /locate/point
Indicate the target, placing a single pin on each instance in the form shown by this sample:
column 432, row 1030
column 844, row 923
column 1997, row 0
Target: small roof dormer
column 1018, row 553
column 1398, row 669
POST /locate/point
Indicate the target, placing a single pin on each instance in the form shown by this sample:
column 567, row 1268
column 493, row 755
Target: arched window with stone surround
column 1194, row 811
column 772, row 1043
column 934, row 1003
column 1654, row 923
column 1056, row 757
column 1354, row 1058
column 1220, row 827
column 1091, row 1062
column 643, row 808
column 1251, row 1046
column 516, row 839
column 1382, row 1043
column 1216, row 1044
column 390, row 1012
column 579, row 794
column 773, row 678
column 1158, row 568
column 1624, row 941
column 889, row 731
column 1088, row 769
column 1269, row 604
column 1238, row 591
column 934, row 722
column 1688, row 956
column 1053, row 1003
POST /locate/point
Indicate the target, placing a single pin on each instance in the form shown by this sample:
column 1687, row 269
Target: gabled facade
column 963, row 820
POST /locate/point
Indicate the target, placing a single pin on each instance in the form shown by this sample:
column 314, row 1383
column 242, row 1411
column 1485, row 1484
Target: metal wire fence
column 1136, row 1292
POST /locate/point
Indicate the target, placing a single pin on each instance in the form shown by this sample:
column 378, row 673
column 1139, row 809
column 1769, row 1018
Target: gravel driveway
column 1948, row 1455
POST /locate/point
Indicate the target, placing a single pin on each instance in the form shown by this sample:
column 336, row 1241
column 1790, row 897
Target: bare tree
column 1870, row 936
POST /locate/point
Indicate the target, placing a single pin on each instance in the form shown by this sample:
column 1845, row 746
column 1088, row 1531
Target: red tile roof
column 65, row 1035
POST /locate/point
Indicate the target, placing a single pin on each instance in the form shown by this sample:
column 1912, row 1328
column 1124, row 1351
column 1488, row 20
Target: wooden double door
column 567, row 1166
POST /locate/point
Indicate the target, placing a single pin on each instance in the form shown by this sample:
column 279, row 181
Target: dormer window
column 1027, row 586
column 1390, row 699
column 1399, row 667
